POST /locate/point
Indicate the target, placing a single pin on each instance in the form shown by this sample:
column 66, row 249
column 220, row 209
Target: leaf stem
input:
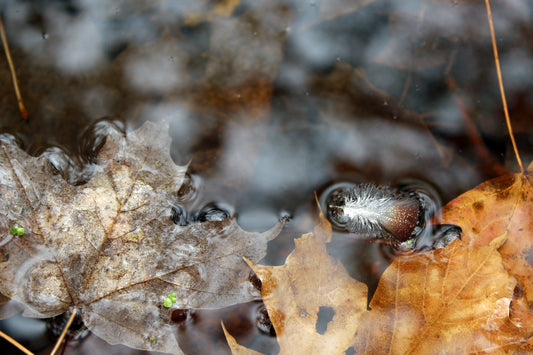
column 500, row 81
column 15, row 343
column 64, row 332
column 22, row 109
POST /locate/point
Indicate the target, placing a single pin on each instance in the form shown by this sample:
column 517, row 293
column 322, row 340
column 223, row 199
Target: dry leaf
column 499, row 213
column 451, row 300
column 109, row 247
column 295, row 292
column 455, row 299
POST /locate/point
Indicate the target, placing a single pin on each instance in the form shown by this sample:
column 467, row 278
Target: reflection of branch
column 22, row 109
column 488, row 162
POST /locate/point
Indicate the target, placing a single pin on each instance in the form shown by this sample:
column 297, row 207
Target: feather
column 375, row 211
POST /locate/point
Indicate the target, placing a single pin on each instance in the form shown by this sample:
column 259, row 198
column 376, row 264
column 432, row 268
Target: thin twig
column 500, row 80
column 15, row 343
column 22, row 109
column 64, row 332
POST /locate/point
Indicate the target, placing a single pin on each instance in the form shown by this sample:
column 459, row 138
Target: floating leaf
column 450, row 300
column 499, row 213
column 295, row 292
column 312, row 280
column 456, row 299
column 110, row 248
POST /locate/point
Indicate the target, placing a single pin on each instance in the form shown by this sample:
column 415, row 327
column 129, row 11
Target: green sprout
column 167, row 302
column 170, row 300
column 153, row 338
column 16, row 230
column 409, row 242
column 8, row 293
column 172, row 297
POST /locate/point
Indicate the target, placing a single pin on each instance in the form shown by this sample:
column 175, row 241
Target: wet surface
column 271, row 102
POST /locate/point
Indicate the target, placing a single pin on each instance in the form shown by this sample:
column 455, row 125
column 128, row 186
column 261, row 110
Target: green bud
column 16, row 230
column 409, row 242
column 172, row 297
column 152, row 338
column 167, row 302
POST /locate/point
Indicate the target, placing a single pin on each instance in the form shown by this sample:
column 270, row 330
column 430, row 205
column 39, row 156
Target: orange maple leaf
column 499, row 213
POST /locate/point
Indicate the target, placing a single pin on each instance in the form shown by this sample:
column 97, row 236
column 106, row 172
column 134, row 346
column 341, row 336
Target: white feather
column 375, row 211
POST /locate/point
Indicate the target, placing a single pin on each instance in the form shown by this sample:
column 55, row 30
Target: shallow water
column 271, row 102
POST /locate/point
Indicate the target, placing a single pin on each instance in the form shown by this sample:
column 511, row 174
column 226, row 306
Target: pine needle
column 22, row 109
column 500, row 81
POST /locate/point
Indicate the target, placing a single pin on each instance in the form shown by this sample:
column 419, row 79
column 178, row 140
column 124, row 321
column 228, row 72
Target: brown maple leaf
column 455, row 299
column 450, row 300
column 499, row 213
column 110, row 249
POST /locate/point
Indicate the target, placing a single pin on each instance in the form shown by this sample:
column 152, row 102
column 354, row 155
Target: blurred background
column 270, row 102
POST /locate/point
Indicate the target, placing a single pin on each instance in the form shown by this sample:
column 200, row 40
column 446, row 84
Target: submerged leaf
column 110, row 248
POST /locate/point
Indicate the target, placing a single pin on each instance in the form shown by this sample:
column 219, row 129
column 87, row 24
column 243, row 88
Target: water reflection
column 271, row 101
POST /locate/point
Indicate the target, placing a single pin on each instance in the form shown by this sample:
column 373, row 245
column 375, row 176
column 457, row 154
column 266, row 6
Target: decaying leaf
column 295, row 292
column 109, row 247
column 455, row 299
column 499, row 213
column 450, row 300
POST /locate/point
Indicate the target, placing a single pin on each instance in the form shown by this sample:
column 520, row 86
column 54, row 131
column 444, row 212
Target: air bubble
column 255, row 280
column 179, row 216
column 285, row 217
column 180, row 315
column 262, row 321
column 212, row 212
column 94, row 137
column 9, row 139
column 330, row 197
column 63, row 164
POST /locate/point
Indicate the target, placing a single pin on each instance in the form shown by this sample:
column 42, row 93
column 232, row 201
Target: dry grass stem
column 22, row 109
column 15, row 343
column 500, row 81
column 64, row 332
